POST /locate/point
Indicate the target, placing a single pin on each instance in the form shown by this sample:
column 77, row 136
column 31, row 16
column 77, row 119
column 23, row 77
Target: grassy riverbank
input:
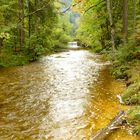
column 33, row 33
column 126, row 65
column 9, row 57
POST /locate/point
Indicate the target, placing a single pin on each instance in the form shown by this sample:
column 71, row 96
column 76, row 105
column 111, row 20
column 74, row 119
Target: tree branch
column 93, row 6
column 37, row 10
column 67, row 9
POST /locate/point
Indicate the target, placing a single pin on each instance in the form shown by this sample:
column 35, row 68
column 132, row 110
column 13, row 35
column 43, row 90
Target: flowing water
column 64, row 96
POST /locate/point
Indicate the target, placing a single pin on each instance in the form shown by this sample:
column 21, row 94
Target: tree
column 125, row 21
column 134, row 18
column 21, row 20
column 29, row 18
column 109, row 8
column 29, row 29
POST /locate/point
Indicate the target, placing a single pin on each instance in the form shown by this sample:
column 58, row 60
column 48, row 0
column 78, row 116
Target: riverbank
column 126, row 65
column 131, row 96
column 10, row 57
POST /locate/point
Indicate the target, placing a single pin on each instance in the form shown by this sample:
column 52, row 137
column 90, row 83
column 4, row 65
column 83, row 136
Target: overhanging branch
column 40, row 9
column 93, row 6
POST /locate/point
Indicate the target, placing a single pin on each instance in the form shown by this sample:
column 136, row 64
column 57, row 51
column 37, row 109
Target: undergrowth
column 126, row 65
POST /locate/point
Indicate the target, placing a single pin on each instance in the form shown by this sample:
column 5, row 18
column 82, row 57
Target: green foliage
column 92, row 32
column 97, row 49
column 134, row 115
column 137, row 130
column 134, row 73
column 9, row 58
column 61, row 35
column 122, row 60
column 45, row 30
column 132, row 95
column 119, row 72
column 126, row 65
column 95, row 32
column 134, row 119
column 135, row 99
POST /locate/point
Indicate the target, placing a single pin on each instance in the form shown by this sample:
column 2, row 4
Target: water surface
column 64, row 96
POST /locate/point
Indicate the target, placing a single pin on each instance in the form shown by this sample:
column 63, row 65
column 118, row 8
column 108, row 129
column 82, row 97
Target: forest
column 32, row 29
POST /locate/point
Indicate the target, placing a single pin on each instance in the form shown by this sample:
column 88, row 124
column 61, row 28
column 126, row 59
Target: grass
column 134, row 119
column 132, row 94
column 126, row 65
column 8, row 57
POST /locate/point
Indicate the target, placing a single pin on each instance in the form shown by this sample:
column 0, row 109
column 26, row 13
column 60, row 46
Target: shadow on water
column 68, row 95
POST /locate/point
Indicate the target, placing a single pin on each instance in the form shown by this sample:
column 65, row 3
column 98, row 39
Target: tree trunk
column 139, row 7
column 21, row 19
column 35, row 17
column 125, row 21
column 134, row 20
column 29, row 18
column 109, row 8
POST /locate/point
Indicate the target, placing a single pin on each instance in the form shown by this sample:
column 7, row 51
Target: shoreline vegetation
column 30, row 29
column 8, row 59
column 112, row 28
column 127, row 66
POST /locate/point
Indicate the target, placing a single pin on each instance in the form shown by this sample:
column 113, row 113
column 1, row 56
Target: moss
column 132, row 97
column 137, row 130
column 13, row 60
column 134, row 119
column 132, row 94
column 134, row 72
column 120, row 72
column 8, row 57
column 126, row 65
column 134, row 115
column 135, row 99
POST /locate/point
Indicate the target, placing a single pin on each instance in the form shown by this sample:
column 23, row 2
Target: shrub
column 131, row 95
column 134, row 119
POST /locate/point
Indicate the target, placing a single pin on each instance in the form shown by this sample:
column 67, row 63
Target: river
column 64, row 96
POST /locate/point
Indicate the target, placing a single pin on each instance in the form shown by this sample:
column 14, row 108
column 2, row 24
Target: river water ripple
column 64, row 96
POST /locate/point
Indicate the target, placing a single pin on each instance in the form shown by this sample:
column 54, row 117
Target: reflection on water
column 65, row 96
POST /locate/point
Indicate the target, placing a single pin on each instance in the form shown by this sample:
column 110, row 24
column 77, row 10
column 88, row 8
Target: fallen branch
column 114, row 124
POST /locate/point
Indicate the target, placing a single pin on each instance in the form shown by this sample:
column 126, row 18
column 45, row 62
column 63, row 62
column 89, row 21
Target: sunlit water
column 73, row 45
column 64, row 96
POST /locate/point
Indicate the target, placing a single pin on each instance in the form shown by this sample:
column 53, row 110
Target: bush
column 120, row 72
column 137, row 130
column 122, row 60
column 13, row 60
column 133, row 72
column 131, row 95
column 126, row 65
column 134, row 119
column 135, row 99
